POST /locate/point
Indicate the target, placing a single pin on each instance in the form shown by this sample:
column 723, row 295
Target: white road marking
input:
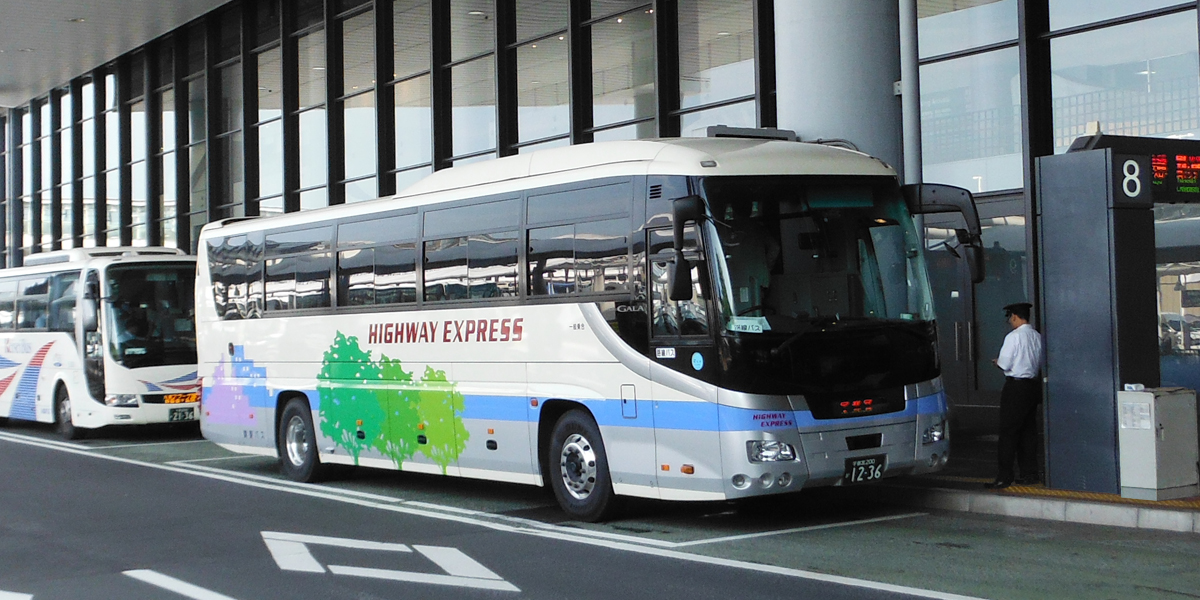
column 336, row 542
column 14, row 596
column 175, row 443
column 454, row 562
column 277, row 481
column 559, row 533
column 178, row 586
column 747, row 536
column 290, row 551
column 435, row 579
column 200, row 460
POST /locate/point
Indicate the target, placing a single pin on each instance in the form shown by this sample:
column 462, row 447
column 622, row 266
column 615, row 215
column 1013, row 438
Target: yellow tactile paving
column 1043, row 491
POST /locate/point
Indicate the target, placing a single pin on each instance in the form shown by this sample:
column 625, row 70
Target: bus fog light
column 121, row 400
column 934, row 433
column 740, row 481
column 785, row 479
column 769, row 451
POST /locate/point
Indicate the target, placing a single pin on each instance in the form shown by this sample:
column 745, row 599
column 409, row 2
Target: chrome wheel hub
column 578, row 466
column 295, row 441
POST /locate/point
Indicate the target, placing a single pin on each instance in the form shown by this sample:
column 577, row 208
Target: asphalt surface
column 145, row 513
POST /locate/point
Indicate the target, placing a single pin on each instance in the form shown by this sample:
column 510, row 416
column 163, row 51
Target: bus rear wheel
column 63, row 422
column 578, row 468
column 298, row 443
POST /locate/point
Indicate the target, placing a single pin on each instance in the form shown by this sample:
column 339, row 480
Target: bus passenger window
column 492, row 265
column 446, row 269
column 552, row 260
column 356, row 277
column 31, row 303
column 298, row 282
column 8, row 297
column 602, row 256
column 396, row 273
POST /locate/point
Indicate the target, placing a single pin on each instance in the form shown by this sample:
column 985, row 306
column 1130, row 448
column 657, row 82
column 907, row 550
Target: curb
column 1050, row 509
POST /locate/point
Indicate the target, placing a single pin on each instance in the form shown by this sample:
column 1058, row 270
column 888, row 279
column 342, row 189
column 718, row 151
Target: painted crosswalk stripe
column 178, row 586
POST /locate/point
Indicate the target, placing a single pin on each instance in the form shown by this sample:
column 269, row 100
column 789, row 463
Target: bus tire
column 298, row 443
column 63, row 423
column 578, row 468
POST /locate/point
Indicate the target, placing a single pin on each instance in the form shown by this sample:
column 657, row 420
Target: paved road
column 176, row 510
column 78, row 526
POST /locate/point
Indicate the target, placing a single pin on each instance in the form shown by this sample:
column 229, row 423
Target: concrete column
column 835, row 64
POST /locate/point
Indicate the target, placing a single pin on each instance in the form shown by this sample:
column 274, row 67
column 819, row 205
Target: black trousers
column 1019, row 399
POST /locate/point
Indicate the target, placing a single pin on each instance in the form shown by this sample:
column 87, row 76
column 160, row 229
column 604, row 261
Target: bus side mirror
column 933, row 198
column 679, row 278
column 688, row 209
column 87, row 314
column 88, row 308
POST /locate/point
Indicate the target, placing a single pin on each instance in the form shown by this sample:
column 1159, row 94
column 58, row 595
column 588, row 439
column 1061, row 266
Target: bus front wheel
column 579, row 468
column 298, row 443
column 63, row 422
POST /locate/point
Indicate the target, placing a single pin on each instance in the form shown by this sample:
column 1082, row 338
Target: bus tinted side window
column 8, row 298
column 579, row 259
column 377, row 261
column 32, row 302
column 235, row 268
column 298, row 267
column 299, row 282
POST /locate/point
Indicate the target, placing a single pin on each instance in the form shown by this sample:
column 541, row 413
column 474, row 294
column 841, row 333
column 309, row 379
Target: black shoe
column 998, row 484
column 1031, row 480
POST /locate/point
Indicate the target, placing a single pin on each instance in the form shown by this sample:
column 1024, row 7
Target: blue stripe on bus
column 680, row 415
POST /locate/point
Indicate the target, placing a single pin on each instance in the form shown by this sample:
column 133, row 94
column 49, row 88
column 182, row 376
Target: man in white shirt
column 1021, row 359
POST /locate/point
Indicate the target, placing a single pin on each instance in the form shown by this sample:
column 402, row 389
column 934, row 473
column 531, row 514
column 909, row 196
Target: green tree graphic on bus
column 390, row 418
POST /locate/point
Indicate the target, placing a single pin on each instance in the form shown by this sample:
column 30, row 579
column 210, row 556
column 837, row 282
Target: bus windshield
column 151, row 314
column 812, row 267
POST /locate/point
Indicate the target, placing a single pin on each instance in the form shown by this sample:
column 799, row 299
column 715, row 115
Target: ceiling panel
column 44, row 44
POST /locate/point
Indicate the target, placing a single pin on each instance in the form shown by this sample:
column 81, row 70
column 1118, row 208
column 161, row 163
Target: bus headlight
column 934, row 433
column 769, row 451
column 121, row 399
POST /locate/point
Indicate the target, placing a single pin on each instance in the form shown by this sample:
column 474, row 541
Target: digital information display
column 1176, row 174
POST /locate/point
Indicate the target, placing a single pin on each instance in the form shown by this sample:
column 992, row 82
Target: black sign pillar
column 1099, row 290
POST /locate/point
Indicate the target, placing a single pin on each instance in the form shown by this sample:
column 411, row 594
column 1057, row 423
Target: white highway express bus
column 685, row 319
column 91, row 337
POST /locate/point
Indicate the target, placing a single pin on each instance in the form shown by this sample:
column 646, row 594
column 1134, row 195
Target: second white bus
column 91, row 337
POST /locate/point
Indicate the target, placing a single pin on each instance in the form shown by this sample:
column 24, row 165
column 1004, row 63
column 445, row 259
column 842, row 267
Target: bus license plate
column 864, row 468
column 181, row 414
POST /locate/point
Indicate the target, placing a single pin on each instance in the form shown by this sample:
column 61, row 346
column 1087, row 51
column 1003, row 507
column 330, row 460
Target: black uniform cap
column 1021, row 309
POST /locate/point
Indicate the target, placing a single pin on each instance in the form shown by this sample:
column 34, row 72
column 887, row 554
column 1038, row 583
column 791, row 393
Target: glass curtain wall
column 165, row 224
column 110, row 167
column 412, row 96
column 716, row 65
column 63, row 208
column 137, row 168
column 266, row 106
column 194, row 84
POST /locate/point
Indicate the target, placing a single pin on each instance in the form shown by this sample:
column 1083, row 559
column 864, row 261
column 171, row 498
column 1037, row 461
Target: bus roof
column 83, row 254
column 665, row 156
column 74, row 258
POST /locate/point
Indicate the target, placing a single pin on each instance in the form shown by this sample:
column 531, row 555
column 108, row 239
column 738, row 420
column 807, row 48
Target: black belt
column 1010, row 378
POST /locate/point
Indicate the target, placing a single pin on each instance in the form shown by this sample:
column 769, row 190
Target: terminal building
column 131, row 122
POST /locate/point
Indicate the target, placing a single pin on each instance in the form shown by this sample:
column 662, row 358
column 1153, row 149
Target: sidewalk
column 973, row 463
